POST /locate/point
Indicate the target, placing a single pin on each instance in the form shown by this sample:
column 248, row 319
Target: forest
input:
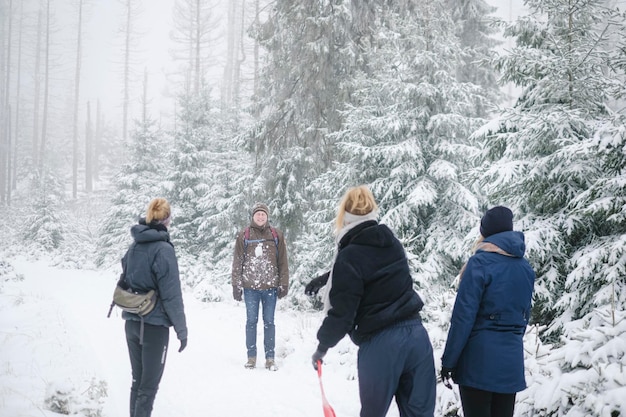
column 306, row 99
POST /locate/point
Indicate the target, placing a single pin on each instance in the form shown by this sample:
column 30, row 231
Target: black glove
column 447, row 374
column 318, row 356
column 314, row 286
column 183, row 345
column 237, row 292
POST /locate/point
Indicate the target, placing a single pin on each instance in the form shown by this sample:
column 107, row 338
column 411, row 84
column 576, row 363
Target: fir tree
column 44, row 225
column 540, row 154
column 138, row 181
column 406, row 136
column 188, row 181
column 309, row 57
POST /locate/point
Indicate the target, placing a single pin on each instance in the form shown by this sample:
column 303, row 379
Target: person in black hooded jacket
column 150, row 263
column 370, row 296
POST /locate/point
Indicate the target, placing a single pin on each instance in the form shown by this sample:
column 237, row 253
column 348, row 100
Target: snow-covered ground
column 55, row 337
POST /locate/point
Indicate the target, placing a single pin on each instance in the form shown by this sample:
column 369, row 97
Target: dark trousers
column 397, row 361
column 147, row 361
column 479, row 403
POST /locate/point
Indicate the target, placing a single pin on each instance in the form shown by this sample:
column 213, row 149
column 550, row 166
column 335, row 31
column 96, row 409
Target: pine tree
column 540, row 155
column 138, row 181
column 44, row 225
column 300, row 102
column 224, row 207
column 406, row 136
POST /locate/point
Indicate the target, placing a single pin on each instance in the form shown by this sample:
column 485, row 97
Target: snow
column 55, row 337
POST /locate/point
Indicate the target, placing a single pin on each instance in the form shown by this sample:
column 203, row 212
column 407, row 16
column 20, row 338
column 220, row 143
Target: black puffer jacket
column 151, row 263
column 371, row 286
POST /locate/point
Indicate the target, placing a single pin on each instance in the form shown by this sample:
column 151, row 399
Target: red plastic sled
column 328, row 410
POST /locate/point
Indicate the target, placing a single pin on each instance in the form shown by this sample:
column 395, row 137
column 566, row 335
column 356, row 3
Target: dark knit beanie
column 260, row 207
column 496, row 220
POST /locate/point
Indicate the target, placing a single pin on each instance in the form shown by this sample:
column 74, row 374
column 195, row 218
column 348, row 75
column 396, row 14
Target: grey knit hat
column 260, row 207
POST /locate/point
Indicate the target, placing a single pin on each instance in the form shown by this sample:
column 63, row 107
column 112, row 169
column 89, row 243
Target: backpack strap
column 246, row 240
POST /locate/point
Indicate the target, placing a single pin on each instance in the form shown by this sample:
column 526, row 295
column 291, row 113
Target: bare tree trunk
column 240, row 57
column 88, row 152
column 37, row 91
column 9, row 153
column 257, row 22
column 5, row 134
column 198, row 46
column 126, row 100
column 17, row 99
column 76, row 100
column 44, row 120
column 97, row 142
column 144, row 101
column 227, row 81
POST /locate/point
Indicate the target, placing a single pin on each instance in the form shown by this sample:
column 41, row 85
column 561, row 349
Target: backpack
column 246, row 240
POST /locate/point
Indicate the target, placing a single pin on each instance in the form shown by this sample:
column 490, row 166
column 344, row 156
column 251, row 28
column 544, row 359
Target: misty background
column 443, row 107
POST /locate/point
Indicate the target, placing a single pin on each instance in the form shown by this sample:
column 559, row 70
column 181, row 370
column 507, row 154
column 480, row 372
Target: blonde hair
column 158, row 210
column 474, row 249
column 357, row 200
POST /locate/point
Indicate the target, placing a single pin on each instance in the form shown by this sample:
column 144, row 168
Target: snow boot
column 270, row 365
column 251, row 364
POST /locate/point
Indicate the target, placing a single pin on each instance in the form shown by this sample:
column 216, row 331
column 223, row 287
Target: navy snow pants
column 397, row 361
column 147, row 361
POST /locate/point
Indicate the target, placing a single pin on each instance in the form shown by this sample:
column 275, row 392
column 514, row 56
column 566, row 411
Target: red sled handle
column 328, row 410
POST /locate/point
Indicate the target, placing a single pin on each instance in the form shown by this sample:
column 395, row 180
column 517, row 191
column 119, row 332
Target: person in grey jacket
column 150, row 263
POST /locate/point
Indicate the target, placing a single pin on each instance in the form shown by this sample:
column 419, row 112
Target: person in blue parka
column 150, row 264
column 370, row 296
column 484, row 351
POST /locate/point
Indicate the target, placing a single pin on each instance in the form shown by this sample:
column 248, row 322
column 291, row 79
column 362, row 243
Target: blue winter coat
column 491, row 311
column 150, row 263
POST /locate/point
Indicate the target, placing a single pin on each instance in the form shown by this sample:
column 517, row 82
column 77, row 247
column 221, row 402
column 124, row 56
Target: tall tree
column 188, row 177
column 539, row 154
column 5, row 134
column 78, row 62
column 136, row 183
column 228, row 78
column 18, row 97
column 88, row 151
column 406, row 135
column 46, row 88
column 37, row 90
column 195, row 33
column 300, row 101
column 132, row 11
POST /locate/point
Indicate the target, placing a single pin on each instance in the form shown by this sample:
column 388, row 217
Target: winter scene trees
column 444, row 108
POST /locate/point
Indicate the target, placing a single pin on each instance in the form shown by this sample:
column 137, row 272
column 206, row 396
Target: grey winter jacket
column 150, row 263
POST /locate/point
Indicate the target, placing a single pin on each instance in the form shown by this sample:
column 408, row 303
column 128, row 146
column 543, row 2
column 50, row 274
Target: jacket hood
column 143, row 233
column 369, row 233
column 511, row 242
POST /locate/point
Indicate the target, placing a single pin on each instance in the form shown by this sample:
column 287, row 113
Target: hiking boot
column 251, row 364
column 270, row 365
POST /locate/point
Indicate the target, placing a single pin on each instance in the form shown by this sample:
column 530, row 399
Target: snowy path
column 53, row 328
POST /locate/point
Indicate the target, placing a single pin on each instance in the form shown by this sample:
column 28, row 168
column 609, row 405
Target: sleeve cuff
column 322, row 348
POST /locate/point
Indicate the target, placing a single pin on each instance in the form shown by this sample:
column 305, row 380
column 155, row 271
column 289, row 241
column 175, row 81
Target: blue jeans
column 252, row 299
